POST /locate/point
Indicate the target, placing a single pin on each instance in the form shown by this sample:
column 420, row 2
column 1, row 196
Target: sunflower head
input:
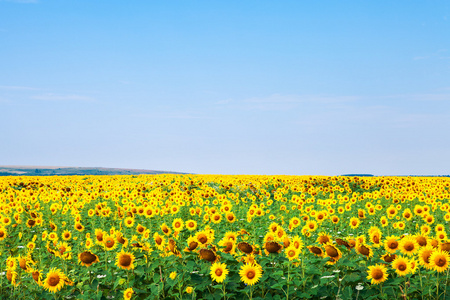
column 439, row 260
column 55, row 280
column 377, row 274
column 218, row 272
column 87, row 258
column 401, row 265
column 250, row 273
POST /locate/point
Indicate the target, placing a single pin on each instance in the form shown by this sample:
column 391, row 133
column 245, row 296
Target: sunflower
column 229, row 244
column 159, row 241
column 439, row 260
column 388, row 257
column 413, row 265
column 424, row 256
column 128, row 293
column 87, row 258
column 364, row 249
column 173, row 275
column 11, row 263
column 323, row 238
column 401, row 265
column 67, row 235
column 292, row 252
column 218, row 272
column 165, row 229
column 297, row 242
column 250, row 273
column 332, row 252
column 354, row 222
column 36, row 275
column 178, row 224
column 245, row 247
column 125, row 260
column 375, row 236
column 408, row 245
column 203, row 237
column 441, row 235
column 11, row 275
column 129, row 222
column 208, row 255
column 99, row 236
column 391, row 244
column 140, row 229
column 109, row 243
column 191, row 225
column 316, row 251
column 55, row 280
column 377, row 273
column 421, row 240
column 3, row 233
column 189, row 289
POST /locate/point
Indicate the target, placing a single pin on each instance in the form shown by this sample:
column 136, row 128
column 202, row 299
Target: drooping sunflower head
column 323, row 238
column 208, row 255
column 316, row 251
column 364, row 249
column 272, row 247
column 245, row 247
column 424, row 256
column 332, row 252
column 87, row 258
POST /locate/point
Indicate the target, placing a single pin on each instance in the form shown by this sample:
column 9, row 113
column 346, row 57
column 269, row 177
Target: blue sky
column 227, row 87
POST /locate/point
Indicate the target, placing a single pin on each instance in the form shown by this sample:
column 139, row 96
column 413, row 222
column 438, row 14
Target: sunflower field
column 224, row 237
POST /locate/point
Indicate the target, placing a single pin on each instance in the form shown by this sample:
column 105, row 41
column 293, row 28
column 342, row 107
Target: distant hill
column 52, row 171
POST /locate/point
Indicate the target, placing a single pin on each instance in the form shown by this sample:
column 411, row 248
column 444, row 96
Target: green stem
column 446, row 283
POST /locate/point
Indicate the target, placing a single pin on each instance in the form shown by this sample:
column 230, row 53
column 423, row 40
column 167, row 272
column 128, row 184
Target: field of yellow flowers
column 224, row 237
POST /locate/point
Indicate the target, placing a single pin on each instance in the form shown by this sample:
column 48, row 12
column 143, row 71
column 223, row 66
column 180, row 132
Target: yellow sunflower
column 354, row 222
column 55, row 280
column 401, row 265
column 250, row 273
column 377, row 274
column 218, row 272
column 125, row 260
column 439, row 260
column 292, row 252
column 109, row 243
column 409, row 246
column 391, row 244
column 424, row 256
column 128, row 293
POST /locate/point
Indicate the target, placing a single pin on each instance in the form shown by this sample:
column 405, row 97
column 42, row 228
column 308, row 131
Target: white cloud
column 62, row 97
column 20, row 1
column 17, row 88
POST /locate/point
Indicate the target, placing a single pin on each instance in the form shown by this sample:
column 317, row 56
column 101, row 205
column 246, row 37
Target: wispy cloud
column 62, row 97
column 279, row 102
column 21, row 1
column 170, row 115
column 17, row 88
